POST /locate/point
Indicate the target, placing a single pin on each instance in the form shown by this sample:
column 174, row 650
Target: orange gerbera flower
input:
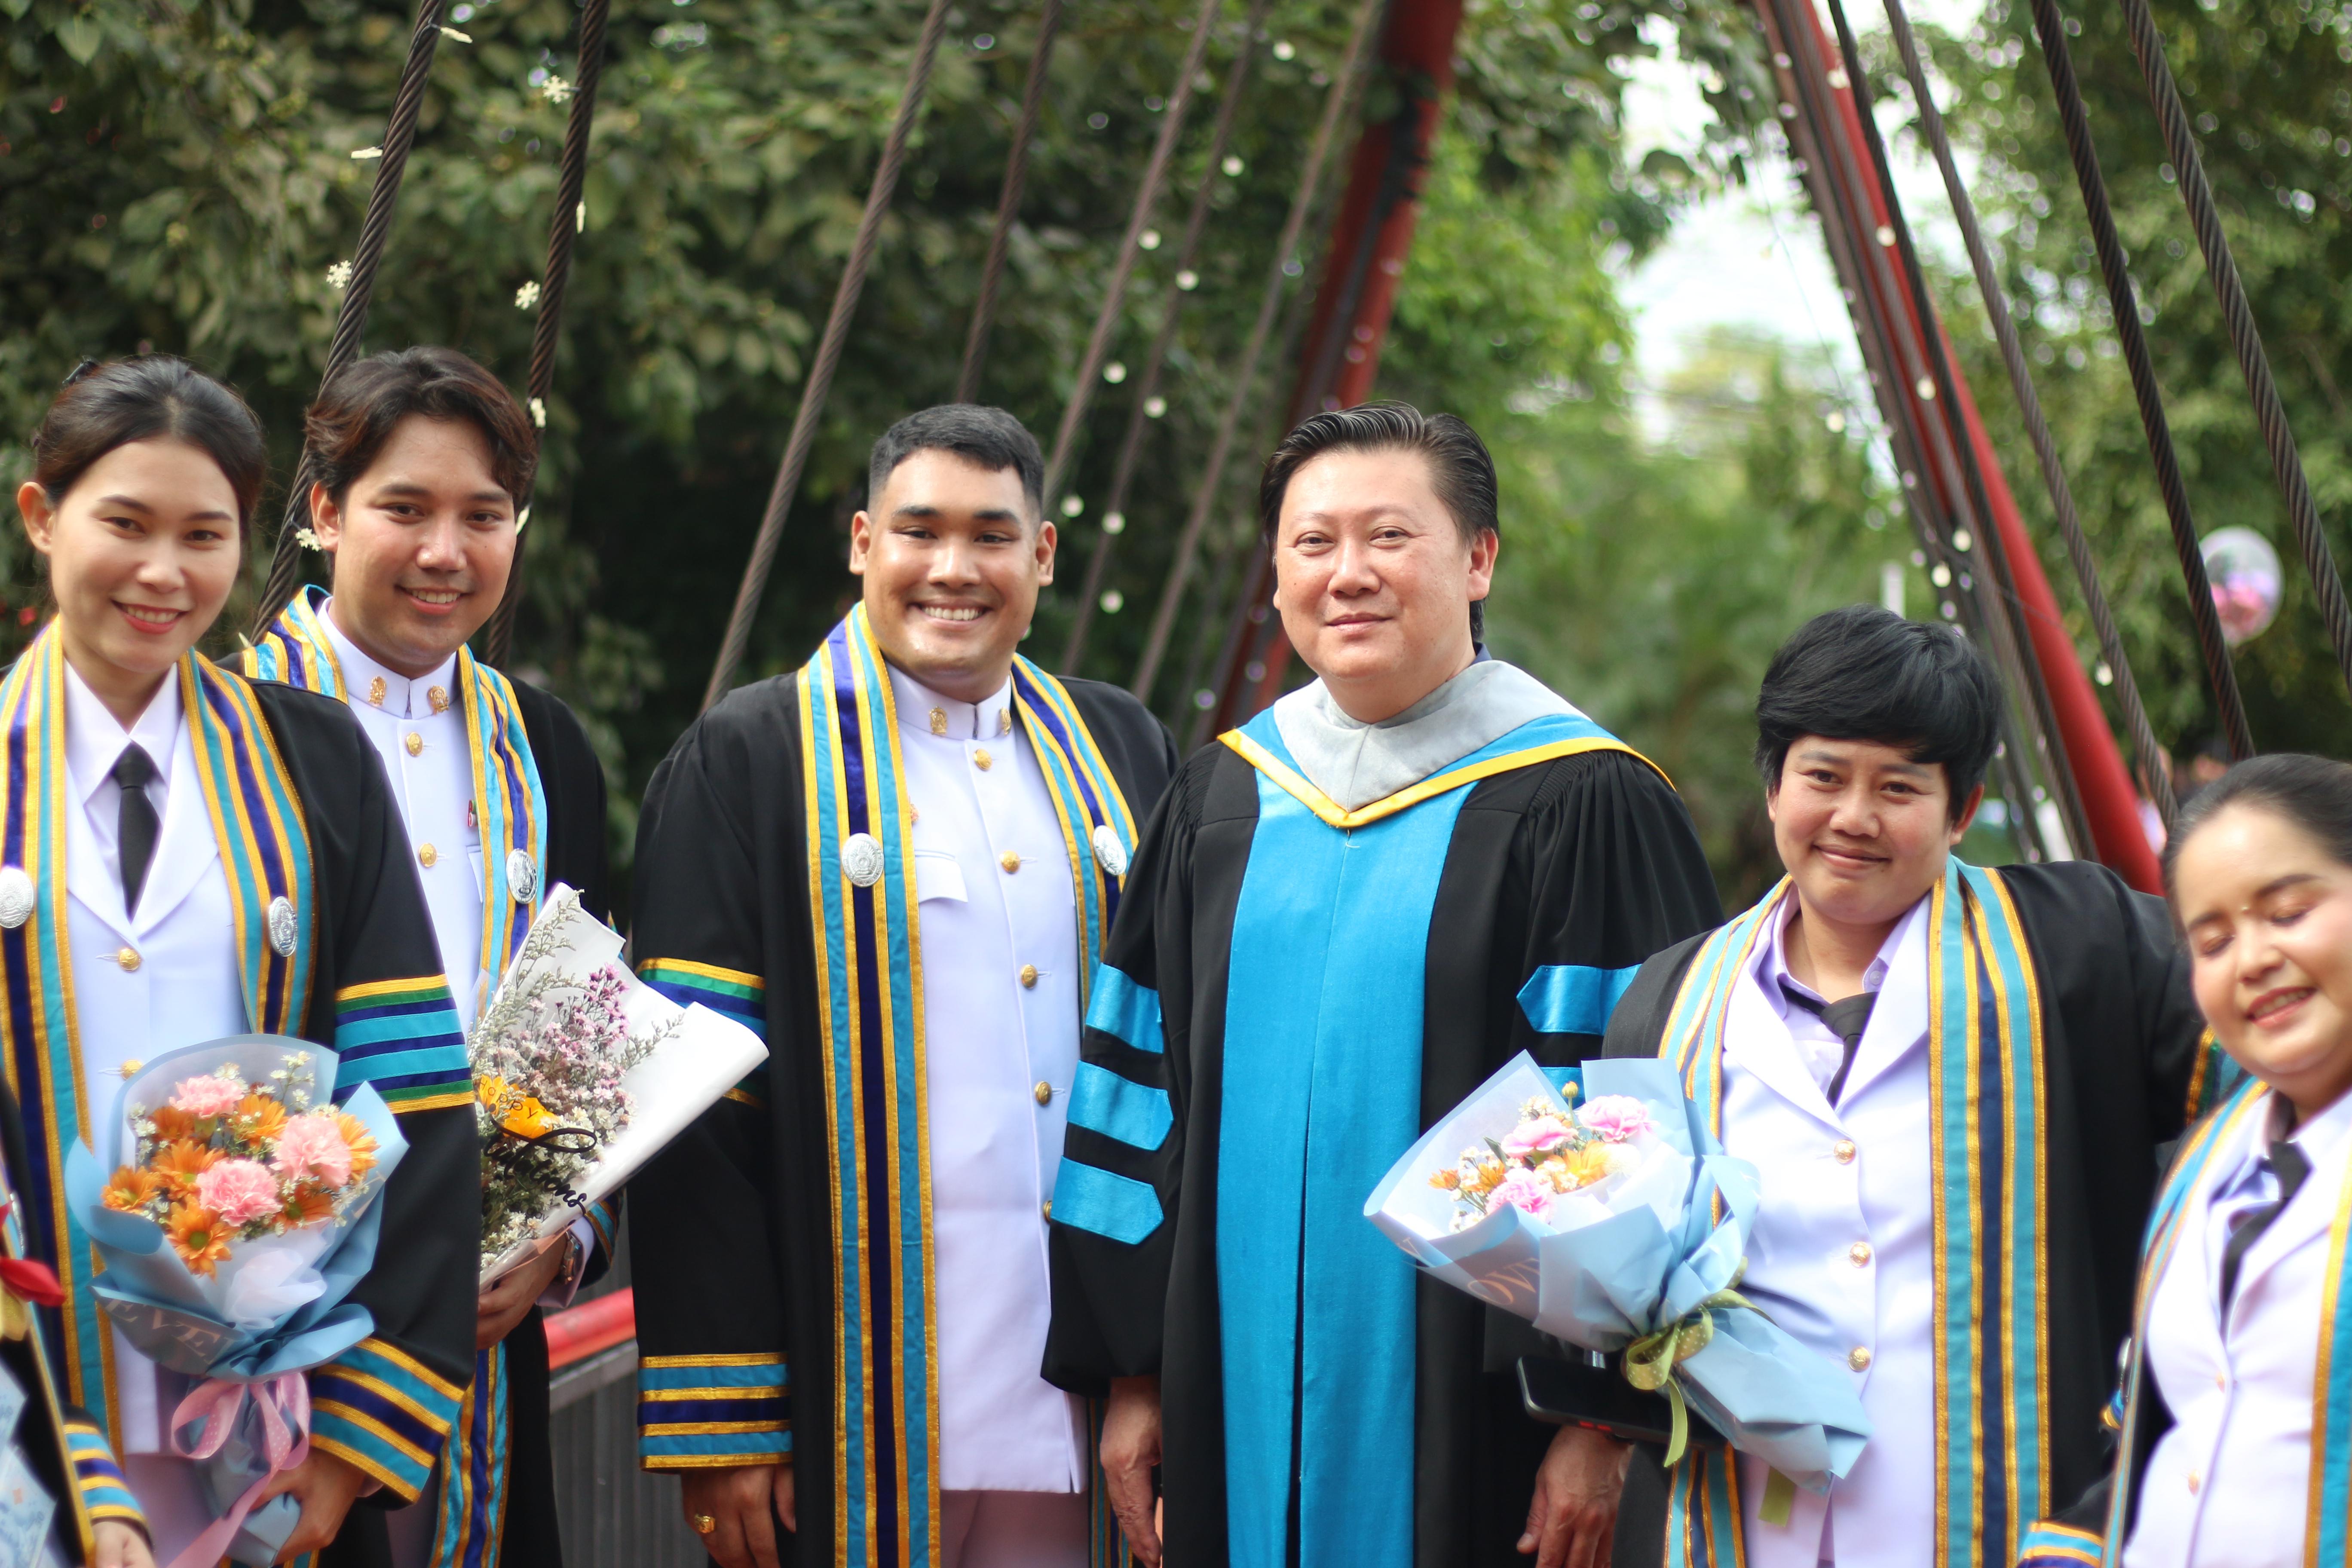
column 199, row 1237
column 257, row 1119
column 178, row 1164
column 307, row 1204
column 362, row 1141
column 128, row 1190
column 172, row 1123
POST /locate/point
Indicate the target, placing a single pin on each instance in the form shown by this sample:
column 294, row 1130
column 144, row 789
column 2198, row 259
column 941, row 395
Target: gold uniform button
column 415, row 744
column 1844, row 1150
column 438, row 696
column 981, row 760
column 1028, row 976
column 1010, row 861
column 1859, row 1254
column 939, row 721
column 427, row 855
column 128, row 958
column 1048, row 1207
column 1044, row 1092
column 2195, row 1480
column 1858, row 1358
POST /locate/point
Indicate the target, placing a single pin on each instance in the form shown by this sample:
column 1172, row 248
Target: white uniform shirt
column 426, row 760
column 1842, row 1252
column 999, row 999
column 147, row 983
column 2228, row 1487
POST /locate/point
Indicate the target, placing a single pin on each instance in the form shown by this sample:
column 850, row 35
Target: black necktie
column 134, row 827
column 1846, row 1019
column 2285, row 1161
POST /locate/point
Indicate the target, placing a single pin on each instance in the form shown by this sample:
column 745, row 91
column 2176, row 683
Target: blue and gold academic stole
column 511, row 810
column 264, row 848
column 1986, row 1132
column 869, row 986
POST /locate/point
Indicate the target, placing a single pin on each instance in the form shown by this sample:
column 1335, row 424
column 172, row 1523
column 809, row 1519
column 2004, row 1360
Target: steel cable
column 568, row 220
column 819, row 384
column 1147, row 386
column 2154, row 777
column 2286, row 464
column 286, row 565
column 2050, row 30
column 1008, row 203
column 1341, row 93
column 1130, row 245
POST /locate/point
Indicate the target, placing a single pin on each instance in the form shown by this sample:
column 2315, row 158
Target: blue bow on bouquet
column 1648, row 1264
column 260, row 1310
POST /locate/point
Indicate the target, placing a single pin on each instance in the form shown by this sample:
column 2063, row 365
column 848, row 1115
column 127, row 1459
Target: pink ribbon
column 284, row 1401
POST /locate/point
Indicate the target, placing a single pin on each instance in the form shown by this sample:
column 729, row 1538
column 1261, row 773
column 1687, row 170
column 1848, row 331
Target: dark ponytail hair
column 151, row 398
column 2313, row 793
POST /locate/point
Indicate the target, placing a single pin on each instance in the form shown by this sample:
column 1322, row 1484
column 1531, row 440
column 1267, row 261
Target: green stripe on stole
column 510, row 812
column 868, row 981
column 1985, row 1085
column 265, row 848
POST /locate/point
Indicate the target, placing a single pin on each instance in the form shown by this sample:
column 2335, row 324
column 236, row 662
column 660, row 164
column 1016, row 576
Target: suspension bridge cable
column 819, row 384
column 571, row 216
column 1130, row 245
column 1196, row 223
column 351, row 321
column 2154, row 777
column 2050, row 30
column 1008, row 203
column 1337, row 99
column 2286, row 464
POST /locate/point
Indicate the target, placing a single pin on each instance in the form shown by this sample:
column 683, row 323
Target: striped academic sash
column 511, row 809
column 265, row 850
column 1986, row 1136
column 886, row 1498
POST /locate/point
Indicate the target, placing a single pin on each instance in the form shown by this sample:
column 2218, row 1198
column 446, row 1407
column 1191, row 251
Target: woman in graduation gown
column 423, row 458
column 189, row 855
column 2234, row 1450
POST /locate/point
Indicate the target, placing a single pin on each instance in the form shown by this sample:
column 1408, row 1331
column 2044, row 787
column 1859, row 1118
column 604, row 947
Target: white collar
column 923, row 711
column 401, row 697
column 95, row 738
column 1772, row 967
column 1357, row 763
column 2317, row 1136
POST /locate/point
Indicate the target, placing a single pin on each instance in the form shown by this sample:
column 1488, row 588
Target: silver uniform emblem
column 282, row 929
column 522, row 876
column 861, row 858
column 1109, row 853
column 16, row 897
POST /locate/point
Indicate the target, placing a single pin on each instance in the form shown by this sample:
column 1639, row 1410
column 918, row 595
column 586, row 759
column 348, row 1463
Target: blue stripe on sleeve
column 1574, row 998
column 1120, row 1108
column 1128, row 1011
column 1087, row 1198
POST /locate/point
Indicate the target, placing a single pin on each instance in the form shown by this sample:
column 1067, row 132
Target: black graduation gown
column 2127, row 1066
column 1588, row 863
column 731, row 1248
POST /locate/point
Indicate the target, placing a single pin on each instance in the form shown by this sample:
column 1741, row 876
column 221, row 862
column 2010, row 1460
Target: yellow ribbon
column 1650, row 1361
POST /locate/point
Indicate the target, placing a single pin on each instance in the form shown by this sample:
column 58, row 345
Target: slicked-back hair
column 152, row 397
column 1461, row 470
column 358, row 410
column 989, row 436
column 2312, row 793
column 1863, row 673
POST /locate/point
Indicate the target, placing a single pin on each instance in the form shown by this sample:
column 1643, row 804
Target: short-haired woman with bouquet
column 2235, row 1447
column 185, row 856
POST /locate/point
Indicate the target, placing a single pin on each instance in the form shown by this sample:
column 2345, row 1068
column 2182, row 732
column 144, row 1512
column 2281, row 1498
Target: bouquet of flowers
column 240, row 1212
column 581, row 1074
column 1621, row 1227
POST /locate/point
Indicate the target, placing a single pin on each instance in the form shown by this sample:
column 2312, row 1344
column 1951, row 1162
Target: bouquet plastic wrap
column 234, row 1206
column 582, row 1073
column 1621, row 1225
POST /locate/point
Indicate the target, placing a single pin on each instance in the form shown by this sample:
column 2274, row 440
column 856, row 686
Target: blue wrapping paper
column 1652, row 1262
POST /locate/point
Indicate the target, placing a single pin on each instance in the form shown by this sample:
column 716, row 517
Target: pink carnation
column 1617, row 1118
column 206, row 1096
column 313, row 1145
column 239, row 1190
column 1525, row 1190
column 1537, row 1135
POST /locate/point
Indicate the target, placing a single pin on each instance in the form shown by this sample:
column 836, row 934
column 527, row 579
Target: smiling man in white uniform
column 898, row 864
